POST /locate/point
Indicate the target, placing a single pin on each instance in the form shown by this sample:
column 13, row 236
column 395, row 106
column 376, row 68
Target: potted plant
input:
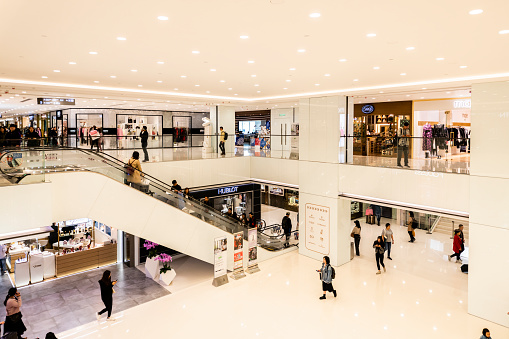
column 151, row 265
column 166, row 273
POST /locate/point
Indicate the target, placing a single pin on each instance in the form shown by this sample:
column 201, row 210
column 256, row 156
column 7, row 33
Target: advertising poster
column 318, row 228
column 238, row 256
column 220, row 256
column 253, row 244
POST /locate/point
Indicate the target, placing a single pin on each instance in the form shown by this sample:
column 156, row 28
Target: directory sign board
column 55, row 101
column 318, row 228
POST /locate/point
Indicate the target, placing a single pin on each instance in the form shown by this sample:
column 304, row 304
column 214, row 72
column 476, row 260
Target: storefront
column 280, row 197
column 376, row 126
column 441, row 128
column 252, row 128
column 129, row 128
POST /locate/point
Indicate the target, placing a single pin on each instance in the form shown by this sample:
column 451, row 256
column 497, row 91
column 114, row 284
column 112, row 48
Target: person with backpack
column 222, row 138
column 411, row 226
column 456, row 247
column 379, row 247
column 327, row 273
column 133, row 169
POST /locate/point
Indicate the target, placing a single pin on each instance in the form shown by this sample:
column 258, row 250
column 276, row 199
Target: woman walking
column 379, row 246
column 326, row 277
column 106, row 294
column 456, row 247
column 410, row 225
column 356, row 234
column 13, row 322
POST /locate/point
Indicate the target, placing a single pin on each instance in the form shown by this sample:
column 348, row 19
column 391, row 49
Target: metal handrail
column 432, row 228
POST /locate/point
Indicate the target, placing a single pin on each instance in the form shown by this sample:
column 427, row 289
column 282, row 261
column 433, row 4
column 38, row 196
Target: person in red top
column 456, row 247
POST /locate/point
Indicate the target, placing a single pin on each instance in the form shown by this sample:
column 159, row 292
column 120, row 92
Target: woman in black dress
column 106, row 294
column 13, row 322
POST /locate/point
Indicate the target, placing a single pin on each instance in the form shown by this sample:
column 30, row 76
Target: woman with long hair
column 410, row 226
column 356, row 234
column 13, row 321
column 326, row 277
column 106, row 295
column 379, row 246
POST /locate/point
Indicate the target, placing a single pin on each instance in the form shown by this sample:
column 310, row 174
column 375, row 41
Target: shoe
column 385, row 270
column 389, row 258
column 449, row 258
column 110, row 319
column 378, row 272
column 400, row 166
column 322, row 297
column 459, row 261
column 145, row 161
column 407, row 166
column 98, row 316
column 335, row 294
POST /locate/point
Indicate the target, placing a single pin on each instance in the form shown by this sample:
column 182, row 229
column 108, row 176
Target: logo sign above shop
column 462, row 103
column 55, row 101
column 368, row 109
column 227, row 190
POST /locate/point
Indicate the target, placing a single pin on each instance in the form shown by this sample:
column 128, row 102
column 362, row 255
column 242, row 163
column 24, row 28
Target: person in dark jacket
column 251, row 222
column 379, row 246
column 175, row 186
column 208, row 202
column 231, row 213
column 106, row 295
column 144, row 142
column 33, row 137
column 50, row 335
column 286, row 223
column 3, row 134
column 53, row 136
column 326, row 277
column 456, row 247
column 356, row 233
column 13, row 136
column 485, row 334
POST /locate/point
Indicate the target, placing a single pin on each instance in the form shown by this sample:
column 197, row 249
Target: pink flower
column 149, row 245
column 164, row 258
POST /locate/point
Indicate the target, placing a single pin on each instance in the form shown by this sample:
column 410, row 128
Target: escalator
column 93, row 185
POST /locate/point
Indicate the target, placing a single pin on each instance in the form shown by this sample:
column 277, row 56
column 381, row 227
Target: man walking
column 403, row 142
column 222, row 139
column 3, row 256
column 286, row 223
column 144, row 142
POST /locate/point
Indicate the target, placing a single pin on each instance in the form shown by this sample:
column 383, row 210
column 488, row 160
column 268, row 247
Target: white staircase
column 444, row 226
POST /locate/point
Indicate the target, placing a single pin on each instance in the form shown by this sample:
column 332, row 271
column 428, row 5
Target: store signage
column 55, row 101
column 463, row 103
column 368, row 109
column 282, row 114
column 220, row 252
column 227, row 190
column 59, row 115
column 253, row 250
column 318, row 228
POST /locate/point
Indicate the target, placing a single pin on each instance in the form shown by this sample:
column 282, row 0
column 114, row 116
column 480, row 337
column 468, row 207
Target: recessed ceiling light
column 175, row 89
column 56, row 70
column 504, row 31
column 140, row 85
column 292, row 69
column 410, row 48
column 422, row 97
column 196, row 85
column 381, row 92
column 96, row 81
column 72, row 63
column 258, row 91
column 113, row 76
column 162, row 18
column 160, row 62
column 376, row 67
column 221, row 81
column 244, row 36
column 256, row 85
column 424, row 88
column 463, row 66
column 373, row 98
column 207, row 92
column 355, row 79
column 250, row 62
column 327, row 75
column 235, row 94
column 134, row 70
column 285, row 88
column 301, row 50
column 288, row 80
column 212, row 69
column 92, row 53
column 448, row 92
column 253, row 75
column 408, row 95
column 342, row 60
column 440, row 59
column 195, row 52
column 371, row 35
column 24, row 93
column 121, row 38
column 230, row 89
column 475, row 11
column 403, row 74
column 183, row 76
column 44, row 77
column 315, row 15
column 317, row 84
column 159, row 81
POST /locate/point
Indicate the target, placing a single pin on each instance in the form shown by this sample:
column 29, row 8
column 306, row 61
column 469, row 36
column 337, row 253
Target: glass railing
column 439, row 154
column 35, row 163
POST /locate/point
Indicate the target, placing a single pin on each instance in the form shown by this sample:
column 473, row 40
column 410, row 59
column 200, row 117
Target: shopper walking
column 462, row 237
column 403, row 143
column 13, row 321
column 94, row 138
column 411, row 226
column 33, row 137
column 144, row 142
column 286, row 223
column 379, row 247
column 388, row 237
column 326, row 276
column 3, row 134
column 222, row 138
column 106, row 295
column 456, row 247
column 377, row 211
column 13, row 136
column 134, row 173
column 485, row 334
column 3, row 256
column 356, row 234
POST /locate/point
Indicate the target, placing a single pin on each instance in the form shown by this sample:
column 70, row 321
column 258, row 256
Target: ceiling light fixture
column 475, row 11
column 195, row 52
column 256, row 85
column 121, row 38
column 183, row 76
column 72, row 63
column 93, row 53
column 44, row 77
column 134, row 70
column 113, row 76
column 288, row 80
column 301, row 50
column 162, row 18
column 410, row 48
column 440, row 59
column 244, row 36
column 342, row 60
column 371, row 35
column 212, row 69
column 160, row 62
column 463, row 66
column 317, row 84
column 403, row 74
column 56, row 70
column 292, row 69
column 221, row 81
column 250, row 62
column 285, row 88
column 140, row 85
column 327, row 75
column 96, row 81
column 376, row 67
column 253, row 75
column 196, row 85
column 159, row 81
column 355, row 79
column 315, row 15
column 504, row 31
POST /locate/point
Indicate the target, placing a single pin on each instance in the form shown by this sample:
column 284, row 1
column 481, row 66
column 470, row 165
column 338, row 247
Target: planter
column 152, row 268
column 168, row 277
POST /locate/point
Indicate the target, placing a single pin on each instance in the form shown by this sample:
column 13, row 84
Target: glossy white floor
column 422, row 295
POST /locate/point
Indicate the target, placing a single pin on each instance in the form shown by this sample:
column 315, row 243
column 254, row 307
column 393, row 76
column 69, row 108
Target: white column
column 319, row 155
column 488, row 278
column 223, row 116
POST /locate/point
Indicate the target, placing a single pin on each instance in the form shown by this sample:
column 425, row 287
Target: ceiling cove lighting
column 371, row 35
column 315, row 15
column 410, row 48
column 121, row 38
column 162, row 18
column 244, row 36
column 475, row 11
column 504, row 31
column 302, row 50
column 72, row 63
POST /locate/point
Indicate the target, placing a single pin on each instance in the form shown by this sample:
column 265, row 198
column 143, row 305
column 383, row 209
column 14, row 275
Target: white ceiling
column 39, row 38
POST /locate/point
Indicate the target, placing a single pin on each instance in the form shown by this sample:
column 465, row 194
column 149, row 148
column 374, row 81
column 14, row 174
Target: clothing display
column 436, row 137
column 180, row 134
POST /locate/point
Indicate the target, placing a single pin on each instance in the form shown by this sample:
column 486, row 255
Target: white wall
column 488, row 278
column 274, row 169
column 281, row 120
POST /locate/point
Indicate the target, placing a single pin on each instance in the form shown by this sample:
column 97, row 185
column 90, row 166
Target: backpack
column 225, row 136
column 414, row 224
column 333, row 275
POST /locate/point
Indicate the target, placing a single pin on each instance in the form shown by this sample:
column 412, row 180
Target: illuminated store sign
column 368, row 109
column 463, row 103
column 55, row 101
column 227, row 190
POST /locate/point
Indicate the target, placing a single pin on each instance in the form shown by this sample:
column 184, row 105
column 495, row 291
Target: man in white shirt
column 3, row 256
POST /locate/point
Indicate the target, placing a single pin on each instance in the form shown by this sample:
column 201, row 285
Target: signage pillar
column 238, row 256
column 220, row 261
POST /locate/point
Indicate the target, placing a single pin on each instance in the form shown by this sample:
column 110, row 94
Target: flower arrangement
column 151, row 247
column 165, row 259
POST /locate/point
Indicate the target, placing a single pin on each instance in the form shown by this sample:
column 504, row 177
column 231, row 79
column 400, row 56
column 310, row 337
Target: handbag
column 369, row 211
column 129, row 169
column 352, row 235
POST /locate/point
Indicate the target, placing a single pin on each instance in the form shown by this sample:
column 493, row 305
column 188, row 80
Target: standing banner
column 220, row 261
column 238, row 256
column 252, row 266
